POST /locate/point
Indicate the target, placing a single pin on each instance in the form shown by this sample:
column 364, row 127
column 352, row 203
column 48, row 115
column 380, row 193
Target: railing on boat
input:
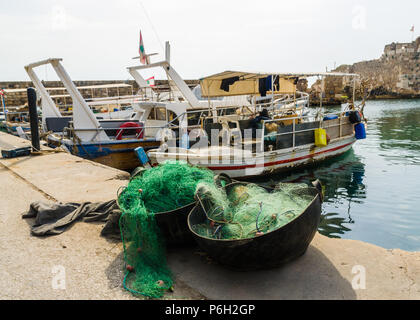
column 325, row 124
column 72, row 131
column 294, row 132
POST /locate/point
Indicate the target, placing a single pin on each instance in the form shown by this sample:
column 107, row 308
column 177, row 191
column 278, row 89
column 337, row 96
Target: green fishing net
column 246, row 210
column 164, row 188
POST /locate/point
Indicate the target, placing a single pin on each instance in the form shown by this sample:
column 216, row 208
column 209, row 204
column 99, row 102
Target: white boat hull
column 258, row 164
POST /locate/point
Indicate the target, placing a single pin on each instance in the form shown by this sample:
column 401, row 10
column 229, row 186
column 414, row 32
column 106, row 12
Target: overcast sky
column 98, row 38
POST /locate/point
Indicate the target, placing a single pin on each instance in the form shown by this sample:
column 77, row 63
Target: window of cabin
column 160, row 113
column 152, row 115
column 171, row 117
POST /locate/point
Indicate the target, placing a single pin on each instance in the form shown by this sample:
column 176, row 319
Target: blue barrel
column 360, row 131
column 330, row 117
column 141, row 154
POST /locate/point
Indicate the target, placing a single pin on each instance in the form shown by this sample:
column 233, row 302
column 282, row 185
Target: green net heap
column 248, row 211
column 169, row 186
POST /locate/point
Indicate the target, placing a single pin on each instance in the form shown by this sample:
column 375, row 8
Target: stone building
column 395, row 74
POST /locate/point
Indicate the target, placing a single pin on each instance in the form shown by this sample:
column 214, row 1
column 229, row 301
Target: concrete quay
column 94, row 265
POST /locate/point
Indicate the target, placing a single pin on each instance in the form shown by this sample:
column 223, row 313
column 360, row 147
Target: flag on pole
column 151, row 82
column 144, row 58
column 1, row 92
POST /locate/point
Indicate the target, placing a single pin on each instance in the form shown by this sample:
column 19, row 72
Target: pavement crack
column 46, row 195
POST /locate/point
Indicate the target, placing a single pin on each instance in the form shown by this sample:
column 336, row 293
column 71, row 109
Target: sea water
column 373, row 191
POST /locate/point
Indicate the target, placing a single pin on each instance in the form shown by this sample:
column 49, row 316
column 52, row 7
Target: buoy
column 160, row 283
column 140, row 190
column 130, row 268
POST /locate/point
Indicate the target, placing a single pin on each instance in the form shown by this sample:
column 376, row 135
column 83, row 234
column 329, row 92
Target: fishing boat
column 108, row 141
column 113, row 141
column 14, row 119
column 284, row 139
column 3, row 127
column 152, row 121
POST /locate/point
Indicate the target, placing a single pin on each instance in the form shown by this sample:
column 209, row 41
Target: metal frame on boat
column 244, row 151
column 100, row 139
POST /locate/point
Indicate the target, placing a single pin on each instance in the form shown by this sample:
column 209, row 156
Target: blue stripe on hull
column 94, row 151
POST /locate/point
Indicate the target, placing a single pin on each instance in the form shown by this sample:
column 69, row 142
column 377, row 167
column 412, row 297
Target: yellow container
column 320, row 138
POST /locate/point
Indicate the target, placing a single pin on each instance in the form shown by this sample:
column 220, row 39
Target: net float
column 130, row 268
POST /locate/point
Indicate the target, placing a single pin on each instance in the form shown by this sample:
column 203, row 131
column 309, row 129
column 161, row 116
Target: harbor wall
column 20, row 98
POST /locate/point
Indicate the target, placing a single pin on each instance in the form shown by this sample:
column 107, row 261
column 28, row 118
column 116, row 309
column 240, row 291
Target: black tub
column 174, row 224
column 268, row 251
column 174, row 227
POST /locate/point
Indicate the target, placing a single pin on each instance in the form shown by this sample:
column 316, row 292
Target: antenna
column 168, row 52
column 153, row 27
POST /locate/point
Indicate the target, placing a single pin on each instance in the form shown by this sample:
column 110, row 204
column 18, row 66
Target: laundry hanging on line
column 228, row 82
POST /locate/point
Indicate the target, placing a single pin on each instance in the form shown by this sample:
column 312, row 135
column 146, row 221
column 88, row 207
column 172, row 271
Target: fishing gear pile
column 248, row 211
column 169, row 186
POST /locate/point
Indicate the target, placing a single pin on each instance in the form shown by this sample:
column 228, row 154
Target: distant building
column 396, row 73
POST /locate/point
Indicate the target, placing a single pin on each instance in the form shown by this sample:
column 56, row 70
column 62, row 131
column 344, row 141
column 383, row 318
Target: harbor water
column 373, row 191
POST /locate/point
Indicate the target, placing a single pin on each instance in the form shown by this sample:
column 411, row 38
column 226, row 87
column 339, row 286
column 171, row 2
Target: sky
column 97, row 39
